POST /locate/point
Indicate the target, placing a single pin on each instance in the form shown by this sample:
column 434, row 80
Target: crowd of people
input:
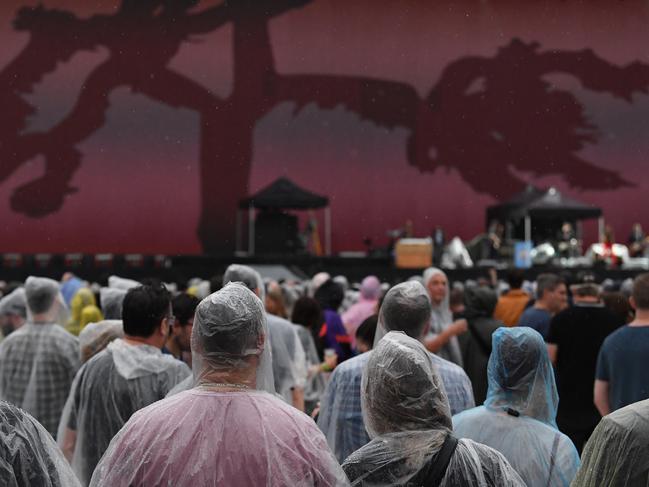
column 242, row 380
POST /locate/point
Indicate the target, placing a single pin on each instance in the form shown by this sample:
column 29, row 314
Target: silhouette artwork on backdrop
column 484, row 117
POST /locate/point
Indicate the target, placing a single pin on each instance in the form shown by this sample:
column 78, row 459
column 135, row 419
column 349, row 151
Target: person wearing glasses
column 131, row 373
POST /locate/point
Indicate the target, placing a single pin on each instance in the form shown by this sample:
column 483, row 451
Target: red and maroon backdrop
column 137, row 125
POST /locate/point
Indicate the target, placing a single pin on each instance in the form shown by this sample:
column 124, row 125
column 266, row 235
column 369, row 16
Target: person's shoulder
column 18, row 425
column 528, row 314
column 175, row 365
column 273, row 403
column 544, row 431
column 12, row 414
column 483, row 452
column 566, row 314
column 539, row 313
column 566, row 444
column 163, row 410
column 349, row 370
column 278, row 321
column 278, row 414
column 63, row 336
column 352, row 365
column 167, row 361
column 100, row 359
column 281, row 325
column 473, row 414
column 514, row 295
column 446, row 367
column 364, row 458
column 9, row 341
column 352, row 309
column 621, row 334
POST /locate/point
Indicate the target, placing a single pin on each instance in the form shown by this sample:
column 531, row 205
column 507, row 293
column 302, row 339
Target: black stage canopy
column 548, row 208
column 278, row 231
column 505, row 211
column 553, row 204
column 284, row 194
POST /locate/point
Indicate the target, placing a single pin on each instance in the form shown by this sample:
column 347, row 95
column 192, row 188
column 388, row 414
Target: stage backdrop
column 137, row 125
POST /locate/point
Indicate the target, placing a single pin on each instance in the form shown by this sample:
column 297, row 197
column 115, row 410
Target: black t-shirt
column 579, row 332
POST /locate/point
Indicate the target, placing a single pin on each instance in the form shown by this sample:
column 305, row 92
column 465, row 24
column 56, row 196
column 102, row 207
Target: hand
column 315, row 412
column 458, row 327
column 331, row 361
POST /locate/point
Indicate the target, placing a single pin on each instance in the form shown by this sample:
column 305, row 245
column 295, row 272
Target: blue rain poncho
column 518, row 417
column 617, row 453
column 407, row 416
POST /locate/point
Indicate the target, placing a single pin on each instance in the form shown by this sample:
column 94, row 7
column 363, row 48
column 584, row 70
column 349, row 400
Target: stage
column 181, row 268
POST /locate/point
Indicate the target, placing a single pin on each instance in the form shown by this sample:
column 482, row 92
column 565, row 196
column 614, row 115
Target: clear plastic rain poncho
column 111, row 300
column 617, row 453
column 407, row 415
column 108, row 389
column 315, row 385
column 289, row 360
column 28, row 454
column 441, row 318
column 39, row 360
column 222, row 432
column 406, row 307
column 518, row 418
column 316, row 281
column 13, row 304
column 233, row 317
column 44, row 299
column 122, row 283
column 96, row 336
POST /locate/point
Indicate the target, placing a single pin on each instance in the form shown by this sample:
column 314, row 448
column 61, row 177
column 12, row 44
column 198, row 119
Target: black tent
column 553, row 204
column 505, row 211
column 283, row 194
column 547, row 207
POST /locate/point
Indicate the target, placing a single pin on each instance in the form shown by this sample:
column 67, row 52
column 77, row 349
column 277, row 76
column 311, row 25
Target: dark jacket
column 475, row 344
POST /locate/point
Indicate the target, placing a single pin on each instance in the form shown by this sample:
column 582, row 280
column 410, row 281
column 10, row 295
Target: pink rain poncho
column 223, row 431
column 366, row 306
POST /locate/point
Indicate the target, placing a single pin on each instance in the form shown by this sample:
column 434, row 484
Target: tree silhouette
column 483, row 117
